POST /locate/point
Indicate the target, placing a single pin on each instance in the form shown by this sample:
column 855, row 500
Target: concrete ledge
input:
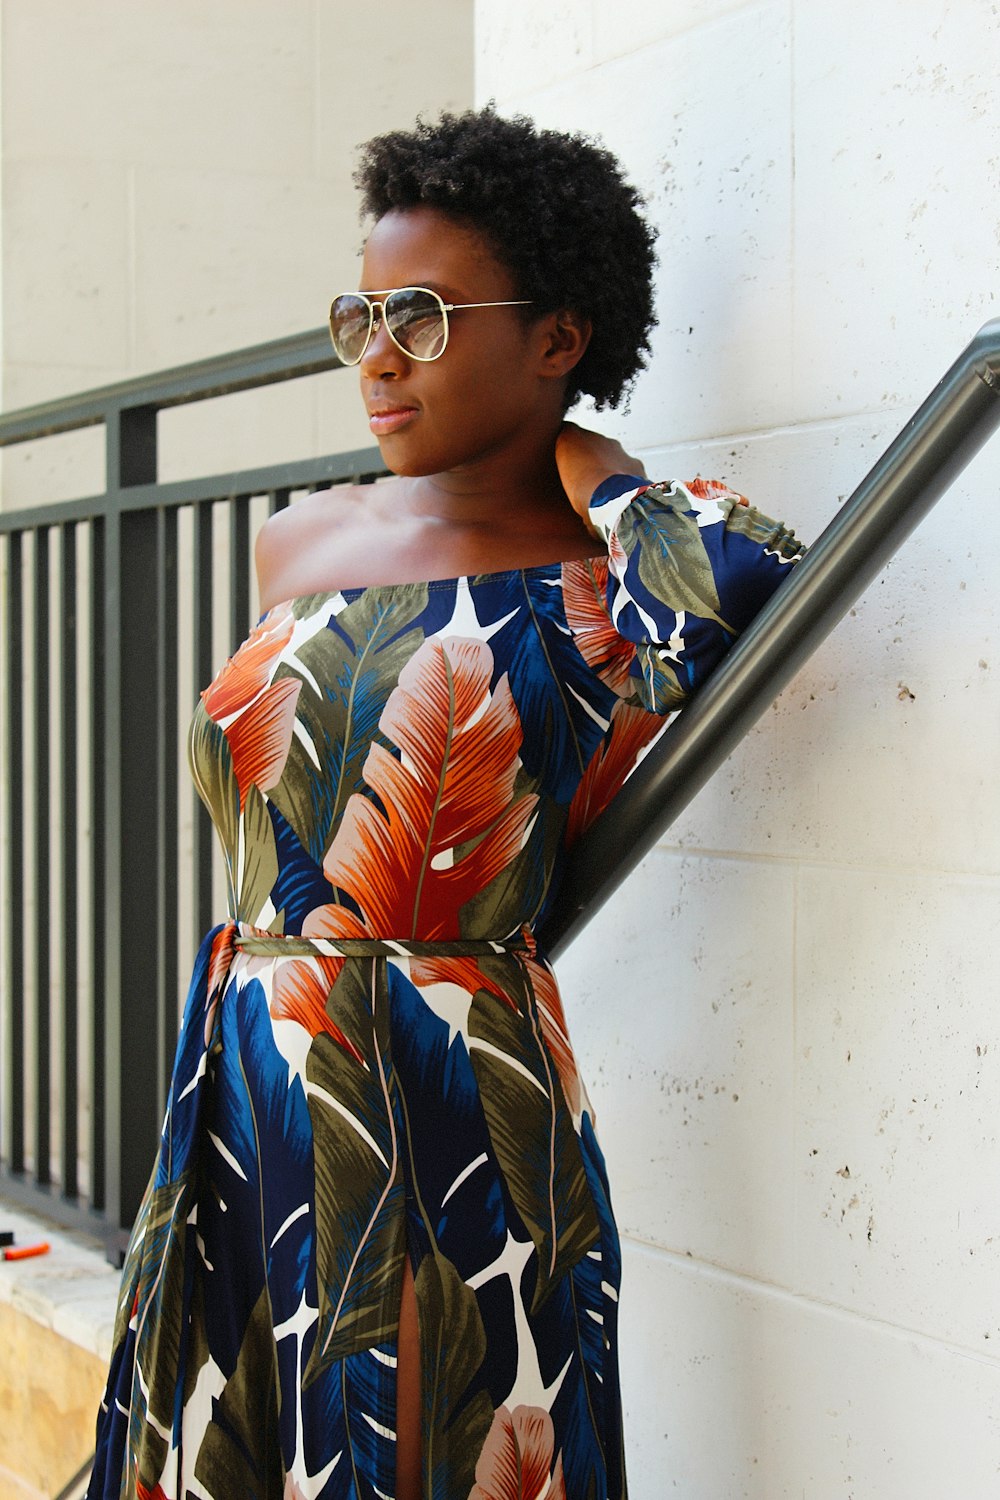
column 56, row 1322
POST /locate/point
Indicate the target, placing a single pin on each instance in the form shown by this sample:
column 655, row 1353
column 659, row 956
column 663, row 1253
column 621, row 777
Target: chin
column 409, row 468
column 410, row 465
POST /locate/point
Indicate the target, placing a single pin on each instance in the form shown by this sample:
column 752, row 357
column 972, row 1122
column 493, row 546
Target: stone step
column 57, row 1316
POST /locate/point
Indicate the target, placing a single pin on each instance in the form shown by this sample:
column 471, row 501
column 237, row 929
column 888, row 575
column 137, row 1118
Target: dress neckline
column 434, row 583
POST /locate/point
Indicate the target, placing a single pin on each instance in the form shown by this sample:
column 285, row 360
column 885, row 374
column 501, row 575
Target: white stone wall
column 790, row 1014
column 176, row 184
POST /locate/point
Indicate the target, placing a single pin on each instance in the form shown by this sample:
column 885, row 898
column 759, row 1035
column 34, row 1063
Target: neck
column 524, row 481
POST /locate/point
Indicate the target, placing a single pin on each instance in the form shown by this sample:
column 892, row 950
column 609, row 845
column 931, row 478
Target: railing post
column 41, row 916
column 12, row 908
column 131, row 695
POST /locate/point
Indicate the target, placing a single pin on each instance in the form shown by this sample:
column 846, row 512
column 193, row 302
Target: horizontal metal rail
column 223, row 375
column 933, row 448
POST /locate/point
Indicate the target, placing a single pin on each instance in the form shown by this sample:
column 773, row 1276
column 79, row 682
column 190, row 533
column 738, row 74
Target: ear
column 564, row 336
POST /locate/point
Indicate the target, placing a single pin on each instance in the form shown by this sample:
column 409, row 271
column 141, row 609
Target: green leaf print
column 532, row 1132
column 212, row 769
column 307, row 605
column 154, row 1277
column 455, row 1424
column 360, row 1228
column 260, row 858
column 673, row 563
column 196, row 1350
column 357, row 664
column 662, row 692
column 748, row 521
column 516, row 894
column 240, row 1453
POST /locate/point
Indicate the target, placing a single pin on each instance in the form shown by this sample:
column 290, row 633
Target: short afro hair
column 556, row 210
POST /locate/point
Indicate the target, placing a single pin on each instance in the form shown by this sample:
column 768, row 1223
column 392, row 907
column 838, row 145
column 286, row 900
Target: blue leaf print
column 556, row 693
column 443, row 1115
column 301, row 885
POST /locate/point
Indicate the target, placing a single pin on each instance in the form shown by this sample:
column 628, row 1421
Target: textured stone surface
column 189, row 193
column 49, row 1394
column 810, row 1273
column 735, row 1391
column 56, row 1319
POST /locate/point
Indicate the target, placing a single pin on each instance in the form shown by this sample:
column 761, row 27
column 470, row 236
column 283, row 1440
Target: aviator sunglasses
column 415, row 317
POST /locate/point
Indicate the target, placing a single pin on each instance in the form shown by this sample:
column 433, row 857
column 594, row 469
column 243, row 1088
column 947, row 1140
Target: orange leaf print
column 585, row 602
column 334, row 922
column 464, row 972
column 617, row 556
column 631, row 730
column 714, row 489
column 249, row 670
column 219, row 963
column 259, row 738
column 556, row 1032
column 516, row 1461
column 301, row 987
column 143, row 1492
column 450, row 824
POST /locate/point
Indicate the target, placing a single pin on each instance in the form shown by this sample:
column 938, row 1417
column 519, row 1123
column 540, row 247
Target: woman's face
column 486, row 388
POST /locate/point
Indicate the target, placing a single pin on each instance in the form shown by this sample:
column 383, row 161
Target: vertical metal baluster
column 13, row 903
column 202, row 651
column 42, row 829
column 98, row 878
column 239, row 569
column 278, row 500
column 166, row 797
column 67, row 813
column 132, row 692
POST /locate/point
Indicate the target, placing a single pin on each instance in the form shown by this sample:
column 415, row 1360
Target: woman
column 377, row 1256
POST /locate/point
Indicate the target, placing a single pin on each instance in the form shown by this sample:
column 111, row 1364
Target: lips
column 385, row 417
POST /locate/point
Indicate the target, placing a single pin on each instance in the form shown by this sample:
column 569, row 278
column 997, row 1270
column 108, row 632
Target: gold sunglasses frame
column 378, row 300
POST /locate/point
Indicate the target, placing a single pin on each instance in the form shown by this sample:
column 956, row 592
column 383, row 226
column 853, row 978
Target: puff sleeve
column 689, row 568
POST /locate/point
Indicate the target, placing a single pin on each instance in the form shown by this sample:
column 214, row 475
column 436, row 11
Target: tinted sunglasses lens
column 417, row 321
column 350, row 324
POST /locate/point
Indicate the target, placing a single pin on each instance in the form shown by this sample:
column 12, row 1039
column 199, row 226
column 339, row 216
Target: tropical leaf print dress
column 373, row 1061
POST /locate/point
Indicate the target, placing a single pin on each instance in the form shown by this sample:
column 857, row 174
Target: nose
column 383, row 359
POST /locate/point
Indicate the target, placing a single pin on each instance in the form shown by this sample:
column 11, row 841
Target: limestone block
column 521, row 47
column 65, row 264
column 50, row 1390
column 896, row 233
column 897, row 1098
column 633, row 24
column 679, row 1001
column 720, row 194
column 226, row 85
column 244, row 431
column 418, row 60
column 66, row 467
column 735, row 1393
column 223, row 261
column 882, row 749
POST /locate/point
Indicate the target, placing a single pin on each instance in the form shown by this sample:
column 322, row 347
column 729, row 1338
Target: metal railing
column 114, row 946
column 131, row 721
column 933, row 448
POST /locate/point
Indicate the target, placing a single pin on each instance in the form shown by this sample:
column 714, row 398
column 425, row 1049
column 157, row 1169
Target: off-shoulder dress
column 374, row 1061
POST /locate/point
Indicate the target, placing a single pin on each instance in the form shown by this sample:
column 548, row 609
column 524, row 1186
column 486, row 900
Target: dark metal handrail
column 222, row 375
column 932, row 449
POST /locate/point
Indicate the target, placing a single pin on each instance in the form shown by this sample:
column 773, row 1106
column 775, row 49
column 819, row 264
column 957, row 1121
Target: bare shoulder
column 305, row 529
column 319, row 512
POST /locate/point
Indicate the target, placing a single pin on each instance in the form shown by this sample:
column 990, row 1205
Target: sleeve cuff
column 615, row 485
